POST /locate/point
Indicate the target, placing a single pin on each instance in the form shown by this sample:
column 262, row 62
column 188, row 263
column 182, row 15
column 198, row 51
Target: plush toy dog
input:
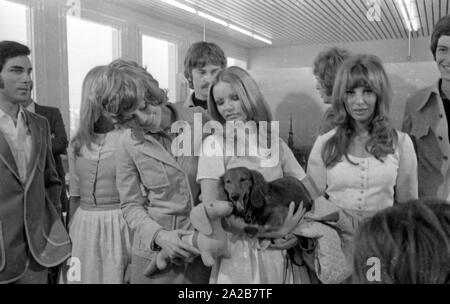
column 209, row 237
column 263, row 203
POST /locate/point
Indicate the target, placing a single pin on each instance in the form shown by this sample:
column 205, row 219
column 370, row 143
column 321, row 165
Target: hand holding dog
column 234, row 224
column 291, row 221
column 285, row 243
column 176, row 249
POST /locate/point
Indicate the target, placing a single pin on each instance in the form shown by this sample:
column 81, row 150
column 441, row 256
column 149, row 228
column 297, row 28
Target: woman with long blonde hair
column 236, row 101
column 100, row 236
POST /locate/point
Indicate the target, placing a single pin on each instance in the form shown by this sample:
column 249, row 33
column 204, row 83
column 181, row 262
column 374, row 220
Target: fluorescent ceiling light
column 241, row 30
column 180, row 5
column 215, row 19
column 262, row 39
column 409, row 13
column 212, row 18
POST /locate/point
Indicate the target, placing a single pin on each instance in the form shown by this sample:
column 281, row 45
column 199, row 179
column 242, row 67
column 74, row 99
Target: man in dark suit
column 59, row 146
column 32, row 235
column 59, row 141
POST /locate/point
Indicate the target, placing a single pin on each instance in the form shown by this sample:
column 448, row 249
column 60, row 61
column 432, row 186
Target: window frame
column 30, row 41
column 170, row 38
column 89, row 14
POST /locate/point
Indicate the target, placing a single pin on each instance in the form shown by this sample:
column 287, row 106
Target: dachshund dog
column 263, row 203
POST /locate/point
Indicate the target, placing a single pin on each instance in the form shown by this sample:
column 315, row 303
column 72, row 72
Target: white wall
column 303, row 56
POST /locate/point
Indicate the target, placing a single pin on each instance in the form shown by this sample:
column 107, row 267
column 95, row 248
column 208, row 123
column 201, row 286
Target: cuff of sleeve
column 153, row 245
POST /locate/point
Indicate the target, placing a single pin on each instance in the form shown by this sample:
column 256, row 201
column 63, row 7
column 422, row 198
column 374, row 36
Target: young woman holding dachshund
column 235, row 97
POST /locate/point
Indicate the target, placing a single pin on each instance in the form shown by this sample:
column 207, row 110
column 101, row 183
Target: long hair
column 95, row 88
column 361, row 71
column 253, row 102
column 411, row 242
column 134, row 83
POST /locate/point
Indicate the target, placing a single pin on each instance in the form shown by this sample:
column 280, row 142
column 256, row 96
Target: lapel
column 429, row 109
column 40, row 110
column 36, row 147
column 151, row 147
column 7, row 157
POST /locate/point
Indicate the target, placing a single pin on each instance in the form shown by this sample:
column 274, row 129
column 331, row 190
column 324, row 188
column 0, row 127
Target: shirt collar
column 2, row 114
column 31, row 108
column 434, row 89
column 20, row 114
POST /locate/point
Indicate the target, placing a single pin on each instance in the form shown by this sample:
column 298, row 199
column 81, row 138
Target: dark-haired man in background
column 427, row 121
column 202, row 60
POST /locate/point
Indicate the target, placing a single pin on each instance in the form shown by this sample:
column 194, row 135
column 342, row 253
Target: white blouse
column 249, row 263
column 212, row 165
column 371, row 185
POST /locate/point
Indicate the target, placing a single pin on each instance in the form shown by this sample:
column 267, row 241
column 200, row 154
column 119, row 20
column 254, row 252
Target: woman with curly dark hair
column 363, row 165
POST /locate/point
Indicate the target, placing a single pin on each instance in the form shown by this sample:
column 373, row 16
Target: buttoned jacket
column 156, row 191
column 426, row 122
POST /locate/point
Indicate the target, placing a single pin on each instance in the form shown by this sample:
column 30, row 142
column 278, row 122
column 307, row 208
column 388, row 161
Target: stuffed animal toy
column 210, row 237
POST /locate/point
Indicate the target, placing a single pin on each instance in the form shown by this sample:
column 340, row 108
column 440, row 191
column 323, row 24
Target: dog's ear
column 259, row 189
column 223, row 194
column 200, row 220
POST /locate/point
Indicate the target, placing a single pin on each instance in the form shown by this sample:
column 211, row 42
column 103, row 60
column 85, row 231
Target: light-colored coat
column 155, row 190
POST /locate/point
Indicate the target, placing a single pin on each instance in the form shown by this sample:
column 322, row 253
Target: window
column 15, row 26
column 89, row 44
column 159, row 57
column 14, row 22
column 236, row 62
